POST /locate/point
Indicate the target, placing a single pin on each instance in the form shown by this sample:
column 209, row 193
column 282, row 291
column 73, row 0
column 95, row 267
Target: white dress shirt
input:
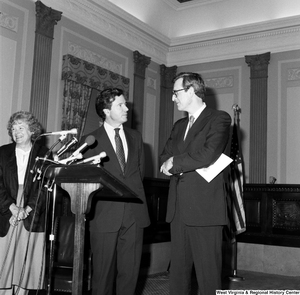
column 111, row 134
column 195, row 115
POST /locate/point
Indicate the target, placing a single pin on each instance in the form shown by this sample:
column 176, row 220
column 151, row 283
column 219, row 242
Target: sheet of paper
column 213, row 170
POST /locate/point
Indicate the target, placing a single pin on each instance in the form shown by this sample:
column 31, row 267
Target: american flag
column 236, row 183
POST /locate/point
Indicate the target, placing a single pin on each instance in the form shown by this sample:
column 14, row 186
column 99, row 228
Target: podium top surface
column 86, row 173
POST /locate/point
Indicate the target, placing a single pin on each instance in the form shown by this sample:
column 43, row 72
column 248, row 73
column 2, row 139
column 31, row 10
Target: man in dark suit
column 196, row 208
column 116, row 228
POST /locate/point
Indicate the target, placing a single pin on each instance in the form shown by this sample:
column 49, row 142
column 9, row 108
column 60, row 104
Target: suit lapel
column 12, row 167
column 181, row 142
column 197, row 126
column 34, row 153
column 106, row 146
column 131, row 150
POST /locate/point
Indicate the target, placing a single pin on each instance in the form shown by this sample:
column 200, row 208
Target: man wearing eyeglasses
column 116, row 227
column 196, row 208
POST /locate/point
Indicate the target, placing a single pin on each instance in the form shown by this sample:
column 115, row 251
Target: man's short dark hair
column 105, row 100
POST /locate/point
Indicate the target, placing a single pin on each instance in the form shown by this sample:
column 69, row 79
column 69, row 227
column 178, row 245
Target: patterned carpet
column 159, row 284
column 153, row 285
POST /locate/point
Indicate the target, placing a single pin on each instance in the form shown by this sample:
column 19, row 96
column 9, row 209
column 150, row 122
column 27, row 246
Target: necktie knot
column 192, row 119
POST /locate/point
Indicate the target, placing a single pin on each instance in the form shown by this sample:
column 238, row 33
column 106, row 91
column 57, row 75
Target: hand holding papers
column 213, row 170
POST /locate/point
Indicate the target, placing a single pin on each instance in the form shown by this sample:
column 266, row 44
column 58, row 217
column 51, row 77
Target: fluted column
column 46, row 19
column 166, row 116
column 258, row 116
column 141, row 62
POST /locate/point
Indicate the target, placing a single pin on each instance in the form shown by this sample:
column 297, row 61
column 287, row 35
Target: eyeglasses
column 175, row 92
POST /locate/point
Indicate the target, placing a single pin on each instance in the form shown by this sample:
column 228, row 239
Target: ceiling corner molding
column 238, row 42
column 114, row 27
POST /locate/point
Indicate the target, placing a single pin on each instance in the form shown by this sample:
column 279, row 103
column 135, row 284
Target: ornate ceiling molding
column 277, row 40
column 261, row 27
column 111, row 26
column 120, row 27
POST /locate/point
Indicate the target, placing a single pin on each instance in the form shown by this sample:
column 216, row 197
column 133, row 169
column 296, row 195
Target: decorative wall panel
column 272, row 214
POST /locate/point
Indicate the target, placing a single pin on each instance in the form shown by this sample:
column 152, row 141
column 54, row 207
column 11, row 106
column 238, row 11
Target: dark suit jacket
column 108, row 215
column 9, row 189
column 201, row 203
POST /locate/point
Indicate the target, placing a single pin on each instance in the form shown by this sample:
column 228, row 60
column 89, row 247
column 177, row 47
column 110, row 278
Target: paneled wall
column 151, row 118
column 16, row 58
column 284, row 110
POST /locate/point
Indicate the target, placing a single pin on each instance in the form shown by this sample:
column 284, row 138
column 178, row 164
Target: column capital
column 141, row 62
column 258, row 64
column 46, row 19
column 167, row 74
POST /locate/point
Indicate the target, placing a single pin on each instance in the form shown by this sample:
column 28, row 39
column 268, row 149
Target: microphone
column 88, row 141
column 71, row 159
column 63, row 132
column 66, row 146
column 96, row 159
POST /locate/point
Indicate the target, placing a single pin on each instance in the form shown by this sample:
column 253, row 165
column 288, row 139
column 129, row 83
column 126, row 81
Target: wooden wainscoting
column 272, row 214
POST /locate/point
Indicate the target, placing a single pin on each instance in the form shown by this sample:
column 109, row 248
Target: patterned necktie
column 119, row 149
column 191, row 122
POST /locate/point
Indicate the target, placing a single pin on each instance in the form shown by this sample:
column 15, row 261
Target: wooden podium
column 80, row 181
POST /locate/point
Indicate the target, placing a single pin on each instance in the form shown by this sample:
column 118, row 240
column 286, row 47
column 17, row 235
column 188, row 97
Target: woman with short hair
column 22, row 208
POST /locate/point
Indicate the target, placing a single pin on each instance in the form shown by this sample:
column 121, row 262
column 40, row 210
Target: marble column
column 258, row 116
column 141, row 62
column 166, row 116
column 46, row 19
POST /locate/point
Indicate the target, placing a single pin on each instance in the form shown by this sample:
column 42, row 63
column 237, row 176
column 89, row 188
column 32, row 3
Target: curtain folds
column 80, row 77
column 76, row 98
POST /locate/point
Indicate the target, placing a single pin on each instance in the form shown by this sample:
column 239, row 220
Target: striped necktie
column 119, row 149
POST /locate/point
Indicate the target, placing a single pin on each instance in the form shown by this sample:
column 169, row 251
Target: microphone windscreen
column 90, row 140
column 73, row 131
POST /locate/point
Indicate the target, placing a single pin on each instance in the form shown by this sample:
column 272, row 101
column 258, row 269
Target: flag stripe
column 236, row 183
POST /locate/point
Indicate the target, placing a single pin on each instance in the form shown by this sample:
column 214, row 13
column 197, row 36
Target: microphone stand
column 51, row 242
column 54, row 193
